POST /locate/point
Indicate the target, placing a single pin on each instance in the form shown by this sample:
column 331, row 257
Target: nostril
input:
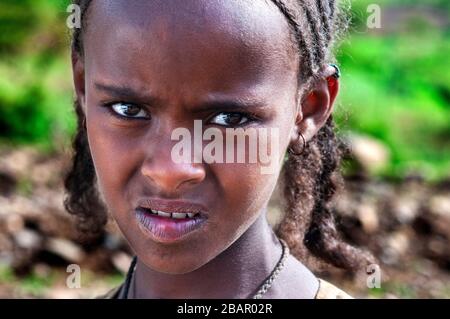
column 169, row 177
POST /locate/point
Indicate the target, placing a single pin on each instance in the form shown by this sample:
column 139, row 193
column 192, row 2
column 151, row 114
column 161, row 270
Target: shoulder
column 296, row 281
column 329, row 291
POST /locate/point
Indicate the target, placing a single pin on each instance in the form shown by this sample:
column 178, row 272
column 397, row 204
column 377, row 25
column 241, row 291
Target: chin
column 173, row 267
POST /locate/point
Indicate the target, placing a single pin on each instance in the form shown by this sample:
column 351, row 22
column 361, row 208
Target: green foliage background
column 395, row 85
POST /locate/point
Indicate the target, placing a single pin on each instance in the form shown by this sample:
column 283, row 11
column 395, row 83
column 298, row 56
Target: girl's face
column 150, row 67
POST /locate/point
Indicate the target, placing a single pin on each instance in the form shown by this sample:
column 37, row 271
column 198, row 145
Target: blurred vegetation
column 395, row 85
column 35, row 87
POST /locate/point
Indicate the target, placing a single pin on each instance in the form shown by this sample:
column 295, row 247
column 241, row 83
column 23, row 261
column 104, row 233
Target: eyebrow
column 129, row 93
column 224, row 102
column 228, row 105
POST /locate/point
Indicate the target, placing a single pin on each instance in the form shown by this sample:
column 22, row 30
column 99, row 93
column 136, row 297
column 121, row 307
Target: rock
column 28, row 239
column 18, row 205
column 405, row 209
column 14, row 223
column 18, row 162
column 121, row 261
column 344, row 204
column 47, row 173
column 440, row 205
column 370, row 153
column 394, row 247
column 368, row 216
column 65, row 249
column 438, row 247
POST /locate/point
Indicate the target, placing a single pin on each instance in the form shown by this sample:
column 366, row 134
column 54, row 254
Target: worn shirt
column 326, row 291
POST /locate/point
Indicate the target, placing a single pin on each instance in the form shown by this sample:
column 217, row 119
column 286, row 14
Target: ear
column 316, row 106
column 79, row 79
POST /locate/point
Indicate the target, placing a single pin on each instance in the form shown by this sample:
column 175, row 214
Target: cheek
column 114, row 156
column 245, row 191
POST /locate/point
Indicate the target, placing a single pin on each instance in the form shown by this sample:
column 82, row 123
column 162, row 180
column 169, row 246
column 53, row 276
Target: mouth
column 169, row 221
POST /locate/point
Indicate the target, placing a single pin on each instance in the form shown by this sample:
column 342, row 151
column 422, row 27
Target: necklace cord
column 265, row 286
column 130, row 273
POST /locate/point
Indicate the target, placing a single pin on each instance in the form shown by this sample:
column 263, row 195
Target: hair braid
column 325, row 19
column 316, row 36
column 82, row 198
column 82, row 195
column 77, row 43
column 312, row 178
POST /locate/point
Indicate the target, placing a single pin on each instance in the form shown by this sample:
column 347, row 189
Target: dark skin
column 173, row 57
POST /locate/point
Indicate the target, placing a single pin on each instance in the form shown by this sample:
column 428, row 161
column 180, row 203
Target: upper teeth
column 164, row 214
column 173, row 215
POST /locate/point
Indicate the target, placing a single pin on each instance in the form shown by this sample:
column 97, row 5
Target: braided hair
column 310, row 179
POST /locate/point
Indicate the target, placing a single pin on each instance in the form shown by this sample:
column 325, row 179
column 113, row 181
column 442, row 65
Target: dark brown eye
column 230, row 119
column 129, row 110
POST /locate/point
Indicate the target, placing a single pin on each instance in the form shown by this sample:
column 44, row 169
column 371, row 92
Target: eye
column 230, row 119
column 128, row 110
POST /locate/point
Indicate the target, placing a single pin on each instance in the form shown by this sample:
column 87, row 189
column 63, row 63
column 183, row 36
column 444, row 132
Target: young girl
column 199, row 230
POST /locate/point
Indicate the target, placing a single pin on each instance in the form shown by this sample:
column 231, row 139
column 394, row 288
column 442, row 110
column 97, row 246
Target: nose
column 169, row 177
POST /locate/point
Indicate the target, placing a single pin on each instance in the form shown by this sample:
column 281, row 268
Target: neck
column 237, row 272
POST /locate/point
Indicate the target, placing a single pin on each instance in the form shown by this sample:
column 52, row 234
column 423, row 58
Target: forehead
column 198, row 43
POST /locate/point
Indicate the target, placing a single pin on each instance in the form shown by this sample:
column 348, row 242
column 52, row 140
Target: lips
column 169, row 221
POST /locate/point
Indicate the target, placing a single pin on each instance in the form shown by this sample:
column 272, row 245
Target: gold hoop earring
column 293, row 152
